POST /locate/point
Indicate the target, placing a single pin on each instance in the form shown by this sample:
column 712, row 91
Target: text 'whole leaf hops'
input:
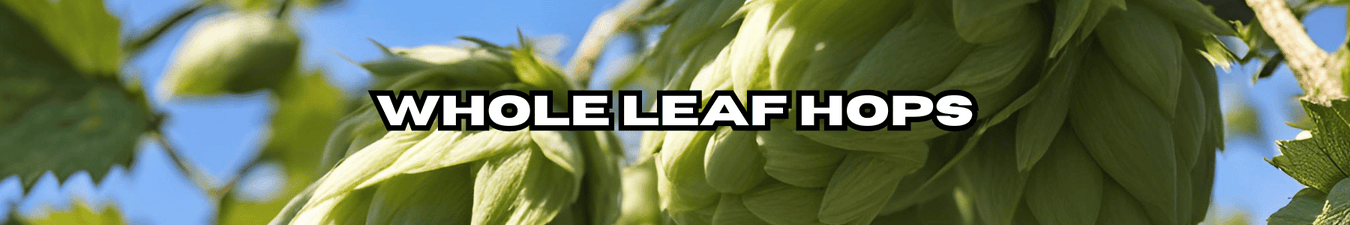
column 1133, row 137
column 463, row 177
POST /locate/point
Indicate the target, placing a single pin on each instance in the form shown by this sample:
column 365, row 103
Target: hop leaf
column 64, row 110
column 1302, row 209
column 80, row 213
column 1313, row 158
column 81, row 30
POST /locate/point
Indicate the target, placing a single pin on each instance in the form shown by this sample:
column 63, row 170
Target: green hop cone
column 831, row 177
column 1112, row 99
column 1135, row 147
column 231, row 53
column 421, row 68
column 463, row 177
column 990, row 72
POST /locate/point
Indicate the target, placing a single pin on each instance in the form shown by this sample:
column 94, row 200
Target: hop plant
column 1135, row 135
column 232, row 53
column 463, row 177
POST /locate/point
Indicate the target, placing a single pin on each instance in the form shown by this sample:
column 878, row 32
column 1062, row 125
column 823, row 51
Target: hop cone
column 1127, row 120
column 1135, row 135
column 463, row 177
column 232, row 53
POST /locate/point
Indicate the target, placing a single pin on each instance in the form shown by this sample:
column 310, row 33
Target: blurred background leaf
column 1228, row 217
column 81, row 212
column 64, row 109
column 308, row 110
column 81, row 29
column 251, row 5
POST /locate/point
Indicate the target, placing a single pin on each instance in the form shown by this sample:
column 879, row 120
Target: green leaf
column 93, row 133
column 1319, row 157
column 1302, row 209
column 308, row 108
column 264, row 5
column 1218, row 53
column 1232, row 217
column 306, row 112
column 81, row 30
column 247, row 5
column 81, row 213
column 1337, row 209
column 1242, row 121
column 57, row 115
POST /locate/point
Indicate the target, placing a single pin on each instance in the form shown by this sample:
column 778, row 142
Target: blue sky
column 219, row 134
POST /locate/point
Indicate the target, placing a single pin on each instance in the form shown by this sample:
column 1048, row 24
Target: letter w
column 408, row 109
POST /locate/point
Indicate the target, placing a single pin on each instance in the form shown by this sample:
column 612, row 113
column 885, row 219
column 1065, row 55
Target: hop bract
column 463, row 177
column 1135, row 134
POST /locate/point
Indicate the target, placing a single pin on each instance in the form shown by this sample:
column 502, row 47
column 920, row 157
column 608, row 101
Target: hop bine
column 1110, row 100
column 462, row 177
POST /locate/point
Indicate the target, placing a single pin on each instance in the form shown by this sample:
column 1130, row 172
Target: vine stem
column 283, row 9
column 194, row 174
column 137, row 45
column 1316, row 73
column 604, row 28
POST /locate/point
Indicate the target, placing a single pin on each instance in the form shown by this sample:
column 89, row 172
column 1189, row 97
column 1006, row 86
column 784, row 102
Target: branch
column 197, row 176
column 1308, row 62
column 281, row 10
column 602, row 30
column 136, row 45
column 238, row 174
